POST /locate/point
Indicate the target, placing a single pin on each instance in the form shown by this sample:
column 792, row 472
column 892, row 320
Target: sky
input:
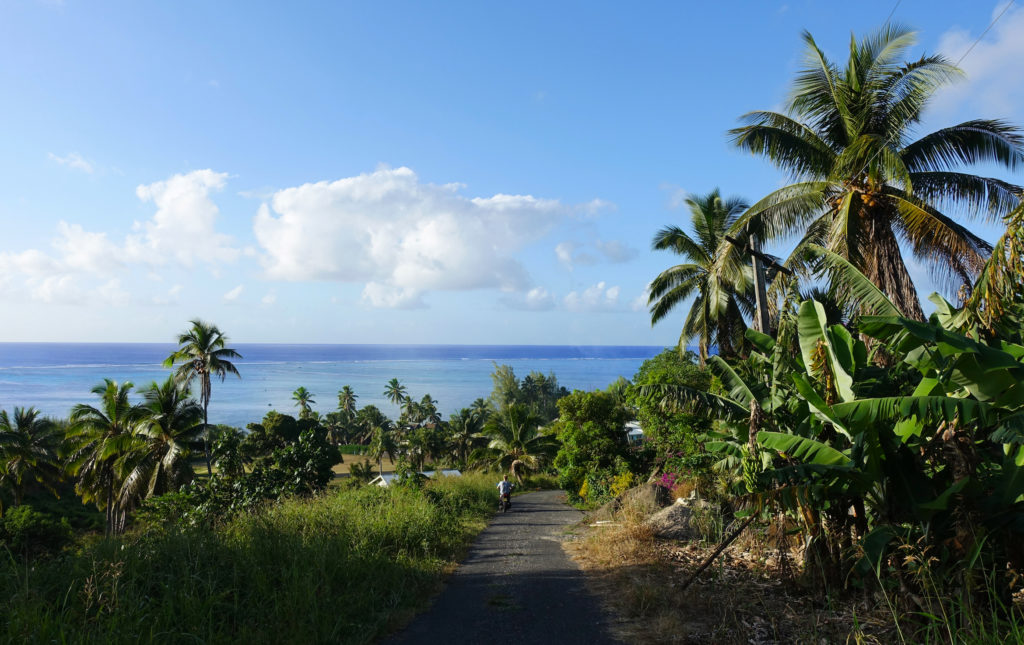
column 402, row 172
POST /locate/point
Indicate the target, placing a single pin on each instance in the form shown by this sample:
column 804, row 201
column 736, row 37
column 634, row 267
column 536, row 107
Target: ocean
column 53, row 377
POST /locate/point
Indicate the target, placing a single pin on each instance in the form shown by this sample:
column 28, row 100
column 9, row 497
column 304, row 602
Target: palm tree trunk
column 883, row 265
column 109, row 515
column 206, row 440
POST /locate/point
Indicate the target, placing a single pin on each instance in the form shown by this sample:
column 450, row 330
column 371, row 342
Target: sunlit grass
column 340, row 568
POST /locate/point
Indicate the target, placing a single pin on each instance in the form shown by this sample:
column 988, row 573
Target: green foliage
column 28, row 453
column 362, row 471
column 272, row 434
column 591, row 429
column 28, row 532
column 864, row 184
column 335, row 569
column 537, row 392
column 714, row 271
column 517, row 445
column 668, row 430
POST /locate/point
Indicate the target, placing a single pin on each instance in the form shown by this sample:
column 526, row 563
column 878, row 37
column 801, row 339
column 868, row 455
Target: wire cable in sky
column 960, row 60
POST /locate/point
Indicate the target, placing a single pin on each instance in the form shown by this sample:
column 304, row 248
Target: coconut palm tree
column 303, row 399
column 172, row 422
column 714, row 271
column 482, row 408
column 863, row 185
column 516, row 442
column 347, row 401
column 97, row 440
column 464, row 428
column 203, row 352
column 383, row 443
column 28, row 452
column 395, row 392
column 368, row 418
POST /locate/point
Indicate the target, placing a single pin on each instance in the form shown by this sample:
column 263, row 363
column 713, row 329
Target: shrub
column 31, row 533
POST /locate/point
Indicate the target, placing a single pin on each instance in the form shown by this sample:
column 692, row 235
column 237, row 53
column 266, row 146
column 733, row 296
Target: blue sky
column 398, row 172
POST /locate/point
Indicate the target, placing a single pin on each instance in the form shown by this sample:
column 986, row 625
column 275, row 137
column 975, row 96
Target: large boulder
column 674, row 523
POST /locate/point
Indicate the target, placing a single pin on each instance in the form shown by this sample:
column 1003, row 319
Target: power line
column 892, row 12
column 961, row 59
column 991, row 24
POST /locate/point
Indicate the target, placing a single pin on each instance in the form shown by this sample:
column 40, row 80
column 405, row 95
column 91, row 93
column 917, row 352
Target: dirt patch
column 743, row 598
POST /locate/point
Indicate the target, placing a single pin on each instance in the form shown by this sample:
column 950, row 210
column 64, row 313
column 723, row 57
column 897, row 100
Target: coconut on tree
column 865, row 185
column 202, row 353
column 714, row 273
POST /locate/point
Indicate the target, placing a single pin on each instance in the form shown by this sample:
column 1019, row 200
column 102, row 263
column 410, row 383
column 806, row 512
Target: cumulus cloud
column 536, row 299
column 184, row 225
column 572, row 254
column 599, row 297
column 232, row 296
column 182, row 230
column 400, row 237
column 995, row 78
column 640, row 302
column 269, row 298
column 74, row 160
column 616, row 251
column 171, row 297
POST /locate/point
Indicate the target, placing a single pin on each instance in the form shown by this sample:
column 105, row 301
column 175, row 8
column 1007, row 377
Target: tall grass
column 338, row 569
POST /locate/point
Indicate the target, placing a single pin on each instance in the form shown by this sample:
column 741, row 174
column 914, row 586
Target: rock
column 673, row 523
column 648, row 497
column 645, row 498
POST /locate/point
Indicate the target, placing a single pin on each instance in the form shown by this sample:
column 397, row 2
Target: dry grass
column 742, row 598
column 343, row 468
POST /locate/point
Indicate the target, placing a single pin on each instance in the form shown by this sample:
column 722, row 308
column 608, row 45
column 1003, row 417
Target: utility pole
column 758, row 261
column 761, row 323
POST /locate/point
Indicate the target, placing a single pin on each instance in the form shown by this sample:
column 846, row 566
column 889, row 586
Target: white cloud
column 181, row 230
column 570, row 255
column 676, row 194
column 232, row 295
column 616, row 251
column 400, row 237
column 386, row 296
column 170, row 298
column 270, row 298
column 183, row 227
column 564, row 251
column 81, row 250
column 599, row 297
column 640, row 302
column 536, row 299
column 74, row 160
column 595, row 207
column 995, row 77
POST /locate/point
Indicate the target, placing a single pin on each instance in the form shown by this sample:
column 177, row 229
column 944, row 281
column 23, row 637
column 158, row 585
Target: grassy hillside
column 340, row 568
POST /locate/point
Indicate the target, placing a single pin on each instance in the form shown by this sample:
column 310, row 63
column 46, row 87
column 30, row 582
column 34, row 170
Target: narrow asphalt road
column 516, row 585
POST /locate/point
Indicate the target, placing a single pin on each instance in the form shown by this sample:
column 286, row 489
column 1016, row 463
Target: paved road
column 516, row 585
